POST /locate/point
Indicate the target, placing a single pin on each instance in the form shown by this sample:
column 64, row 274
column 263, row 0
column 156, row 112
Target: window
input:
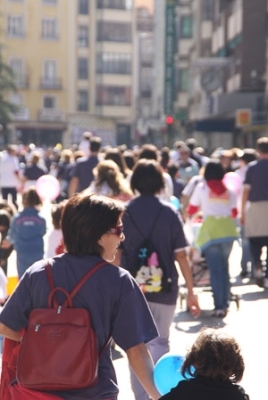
column 49, row 28
column 113, row 96
column 114, row 63
column 115, row 4
column 183, row 80
column 15, row 25
column 114, row 32
column 83, row 7
column 49, row 2
column 82, row 68
column 82, row 101
column 50, row 78
column 82, row 39
column 18, row 67
column 49, row 102
column 207, row 10
column 186, row 26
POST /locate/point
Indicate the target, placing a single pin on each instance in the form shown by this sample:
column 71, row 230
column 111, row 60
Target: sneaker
column 219, row 313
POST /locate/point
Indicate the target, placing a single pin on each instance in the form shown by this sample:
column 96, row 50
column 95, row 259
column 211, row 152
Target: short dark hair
column 30, row 197
column 147, row 177
column 262, row 145
column 85, row 218
column 5, row 218
column 215, row 354
column 95, row 143
column 148, row 151
column 214, row 170
column 248, row 155
column 173, row 168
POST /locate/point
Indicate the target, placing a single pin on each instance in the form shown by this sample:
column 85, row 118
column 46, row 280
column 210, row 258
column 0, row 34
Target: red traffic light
column 169, row 119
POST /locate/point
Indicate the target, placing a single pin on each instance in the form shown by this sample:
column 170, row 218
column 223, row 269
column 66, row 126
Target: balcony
column 51, row 115
column 50, row 83
column 113, row 5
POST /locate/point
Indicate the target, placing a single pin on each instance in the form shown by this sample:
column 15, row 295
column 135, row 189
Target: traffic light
column 169, row 122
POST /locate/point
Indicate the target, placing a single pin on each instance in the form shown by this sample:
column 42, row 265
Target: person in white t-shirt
column 9, row 173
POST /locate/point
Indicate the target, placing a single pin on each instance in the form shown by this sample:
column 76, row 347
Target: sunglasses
column 117, row 230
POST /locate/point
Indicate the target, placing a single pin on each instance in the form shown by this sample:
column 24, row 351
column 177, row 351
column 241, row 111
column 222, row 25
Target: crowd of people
column 117, row 204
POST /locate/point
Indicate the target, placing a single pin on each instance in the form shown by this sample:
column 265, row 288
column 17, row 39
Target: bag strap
column 151, row 231
column 79, row 284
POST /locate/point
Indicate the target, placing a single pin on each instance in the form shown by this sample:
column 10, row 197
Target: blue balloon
column 175, row 201
column 167, row 372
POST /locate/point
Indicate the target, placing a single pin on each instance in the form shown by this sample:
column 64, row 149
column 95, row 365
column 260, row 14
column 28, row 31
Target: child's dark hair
column 30, row 197
column 215, row 354
column 5, row 218
column 56, row 213
column 173, row 168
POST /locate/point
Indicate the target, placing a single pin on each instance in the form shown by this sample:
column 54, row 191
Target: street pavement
column 248, row 324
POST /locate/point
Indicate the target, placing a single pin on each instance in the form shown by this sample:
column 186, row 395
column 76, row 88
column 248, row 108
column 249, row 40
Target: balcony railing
column 51, row 114
column 51, row 83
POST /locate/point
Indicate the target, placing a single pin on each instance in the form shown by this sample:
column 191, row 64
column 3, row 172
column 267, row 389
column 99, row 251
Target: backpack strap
column 151, row 231
column 79, row 284
column 76, row 289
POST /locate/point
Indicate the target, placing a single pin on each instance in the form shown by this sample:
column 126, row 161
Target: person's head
column 95, row 144
column 92, row 225
column 164, row 157
column 214, row 170
column 226, row 158
column 184, row 153
column 147, row 177
column 191, row 143
column 35, row 158
column 215, row 354
column 56, row 213
column 108, row 171
column 262, row 146
column 87, row 135
column 30, row 198
column 115, row 155
column 148, row 151
column 130, row 158
column 247, row 156
column 12, row 149
column 5, row 219
column 66, row 156
column 173, row 169
column 9, row 207
column 78, row 154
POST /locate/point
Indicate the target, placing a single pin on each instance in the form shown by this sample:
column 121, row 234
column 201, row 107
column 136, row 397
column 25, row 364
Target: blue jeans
column 217, row 257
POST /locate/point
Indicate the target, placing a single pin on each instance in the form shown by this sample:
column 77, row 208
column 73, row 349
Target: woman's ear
column 100, row 241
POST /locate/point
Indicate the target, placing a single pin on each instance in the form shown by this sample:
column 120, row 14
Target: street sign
column 170, row 47
column 243, row 117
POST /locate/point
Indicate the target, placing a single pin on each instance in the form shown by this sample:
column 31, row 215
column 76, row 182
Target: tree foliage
column 7, row 84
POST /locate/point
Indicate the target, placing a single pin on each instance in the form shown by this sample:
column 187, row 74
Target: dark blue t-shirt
column 257, row 178
column 116, row 305
column 167, row 237
column 83, row 170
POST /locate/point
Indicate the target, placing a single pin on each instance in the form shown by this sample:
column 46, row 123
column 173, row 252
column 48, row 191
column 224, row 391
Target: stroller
column 198, row 264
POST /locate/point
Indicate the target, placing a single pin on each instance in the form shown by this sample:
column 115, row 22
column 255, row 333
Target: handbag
column 59, row 349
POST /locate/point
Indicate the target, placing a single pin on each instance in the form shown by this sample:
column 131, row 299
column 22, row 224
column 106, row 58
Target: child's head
column 30, row 198
column 215, row 354
column 56, row 212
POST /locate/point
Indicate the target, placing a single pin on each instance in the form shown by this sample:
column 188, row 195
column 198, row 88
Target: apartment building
column 144, row 74
column 74, row 65
column 35, row 44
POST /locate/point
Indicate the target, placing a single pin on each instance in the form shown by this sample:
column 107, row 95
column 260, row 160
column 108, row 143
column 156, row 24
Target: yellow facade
column 40, row 39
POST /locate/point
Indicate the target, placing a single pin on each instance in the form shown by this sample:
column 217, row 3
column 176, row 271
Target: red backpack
column 59, row 350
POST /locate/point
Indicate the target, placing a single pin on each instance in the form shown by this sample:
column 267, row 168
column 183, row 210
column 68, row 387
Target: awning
column 215, row 125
